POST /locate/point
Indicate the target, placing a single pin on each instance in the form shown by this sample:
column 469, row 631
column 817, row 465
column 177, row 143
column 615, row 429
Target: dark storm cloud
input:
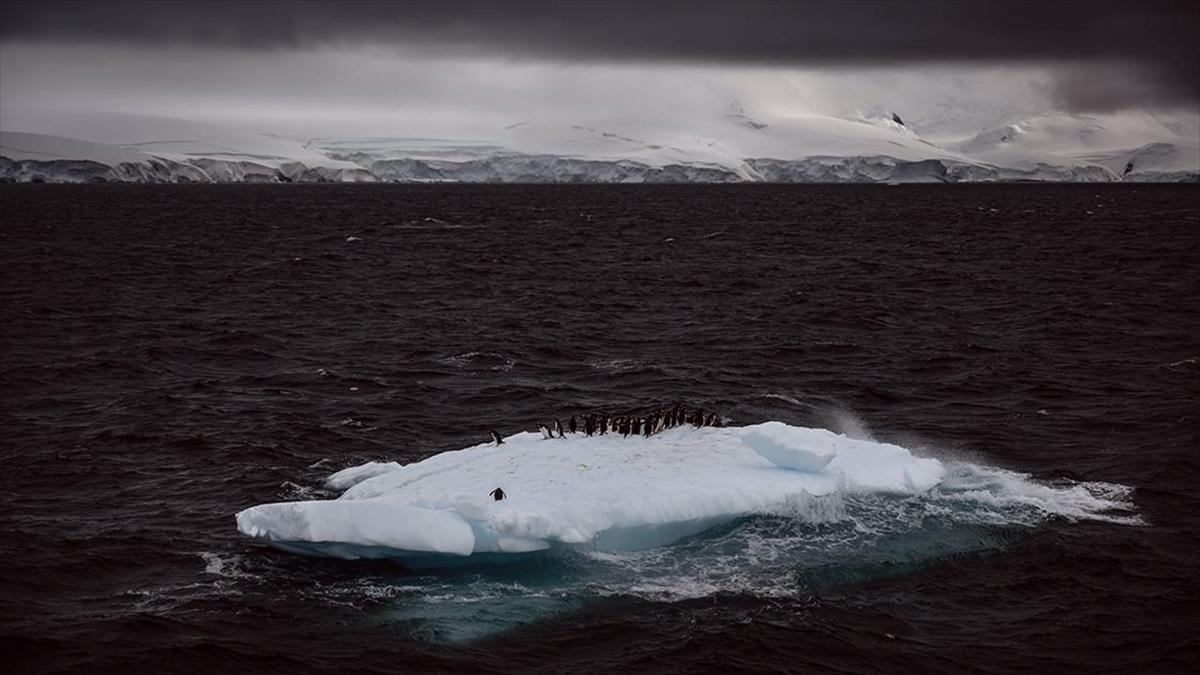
column 1153, row 42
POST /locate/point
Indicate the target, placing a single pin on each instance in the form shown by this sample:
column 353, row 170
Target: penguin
column 496, row 437
column 603, row 424
column 546, row 433
column 648, row 427
column 571, row 424
column 558, row 428
column 588, row 426
column 498, row 494
column 637, row 427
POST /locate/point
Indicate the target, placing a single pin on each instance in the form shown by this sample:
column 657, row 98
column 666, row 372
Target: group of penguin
column 627, row 425
column 599, row 423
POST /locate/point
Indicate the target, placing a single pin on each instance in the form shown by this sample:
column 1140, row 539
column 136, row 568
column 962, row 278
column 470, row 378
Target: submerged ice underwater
column 683, row 513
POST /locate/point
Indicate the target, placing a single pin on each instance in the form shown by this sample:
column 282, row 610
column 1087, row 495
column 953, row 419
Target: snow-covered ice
column 739, row 146
column 599, row 492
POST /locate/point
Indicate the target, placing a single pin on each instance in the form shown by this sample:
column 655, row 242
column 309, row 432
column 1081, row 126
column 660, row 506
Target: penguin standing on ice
column 496, row 437
column 546, row 433
column 558, row 428
column 571, row 424
column 498, row 494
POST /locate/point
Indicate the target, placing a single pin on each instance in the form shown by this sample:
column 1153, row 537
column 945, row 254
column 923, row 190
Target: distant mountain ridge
column 735, row 147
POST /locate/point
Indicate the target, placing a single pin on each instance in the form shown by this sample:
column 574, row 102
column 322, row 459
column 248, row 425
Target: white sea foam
column 480, row 361
column 226, row 565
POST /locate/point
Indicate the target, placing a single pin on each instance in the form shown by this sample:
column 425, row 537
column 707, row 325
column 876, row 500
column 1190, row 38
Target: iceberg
column 595, row 493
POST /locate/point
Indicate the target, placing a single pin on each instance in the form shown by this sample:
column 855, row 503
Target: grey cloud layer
column 760, row 32
column 1149, row 45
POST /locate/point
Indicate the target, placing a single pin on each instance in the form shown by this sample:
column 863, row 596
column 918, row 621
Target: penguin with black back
column 571, row 424
column 496, row 437
column 498, row 494
column 558, row 428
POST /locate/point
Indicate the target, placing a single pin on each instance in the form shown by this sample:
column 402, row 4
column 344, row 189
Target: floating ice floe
column 604, row 492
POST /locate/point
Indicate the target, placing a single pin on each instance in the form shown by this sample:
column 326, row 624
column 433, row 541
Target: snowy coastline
column 732, row 149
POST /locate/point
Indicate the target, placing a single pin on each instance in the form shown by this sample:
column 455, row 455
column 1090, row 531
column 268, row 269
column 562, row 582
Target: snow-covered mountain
column 1134, row 146
column 872, row 146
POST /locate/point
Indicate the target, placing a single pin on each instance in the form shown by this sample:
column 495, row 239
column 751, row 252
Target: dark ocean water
column 171, row 355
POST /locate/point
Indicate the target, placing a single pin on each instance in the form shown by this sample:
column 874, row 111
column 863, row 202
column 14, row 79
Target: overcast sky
column 368, row 68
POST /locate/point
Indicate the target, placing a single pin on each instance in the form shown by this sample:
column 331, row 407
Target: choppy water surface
column 174, row 354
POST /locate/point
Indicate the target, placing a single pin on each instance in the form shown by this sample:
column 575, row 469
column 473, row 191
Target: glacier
column 733, row 148
column 40, row 158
